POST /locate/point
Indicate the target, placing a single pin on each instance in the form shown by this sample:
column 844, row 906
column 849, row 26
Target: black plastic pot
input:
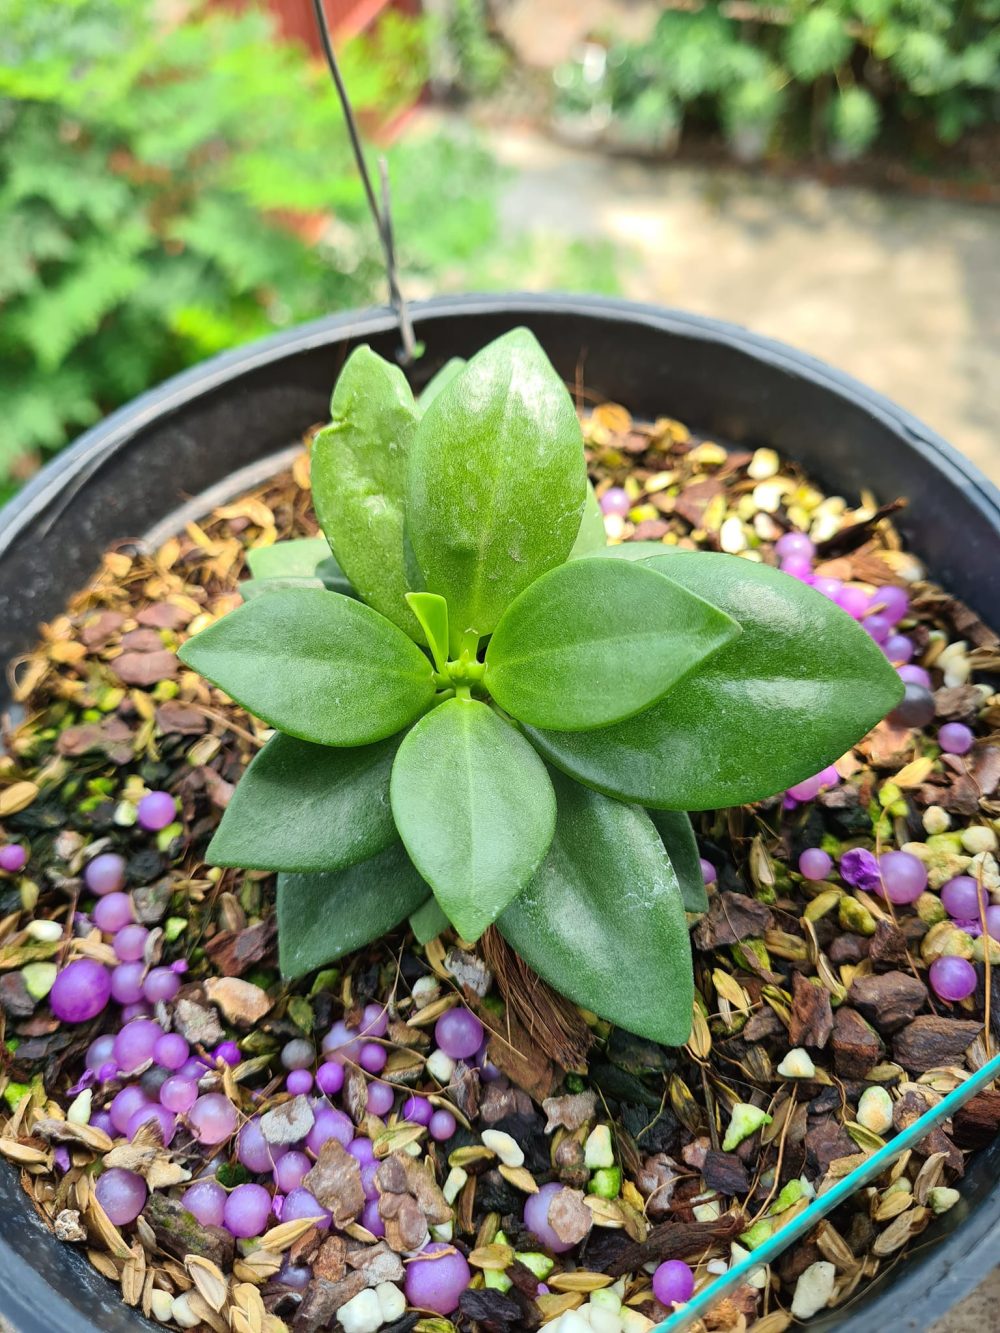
column 206, row 435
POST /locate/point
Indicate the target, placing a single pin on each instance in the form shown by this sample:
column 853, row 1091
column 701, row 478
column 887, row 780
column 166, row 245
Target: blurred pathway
column 904, row 293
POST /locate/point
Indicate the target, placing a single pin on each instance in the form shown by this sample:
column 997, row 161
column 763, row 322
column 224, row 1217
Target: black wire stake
column 383, row 215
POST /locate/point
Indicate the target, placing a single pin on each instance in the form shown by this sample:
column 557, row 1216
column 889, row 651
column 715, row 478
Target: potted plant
column 646, row 357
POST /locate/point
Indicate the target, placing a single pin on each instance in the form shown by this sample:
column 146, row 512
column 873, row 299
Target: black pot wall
column 130, row 475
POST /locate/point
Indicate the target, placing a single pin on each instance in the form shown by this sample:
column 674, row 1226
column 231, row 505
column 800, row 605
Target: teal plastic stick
column 862, row 1175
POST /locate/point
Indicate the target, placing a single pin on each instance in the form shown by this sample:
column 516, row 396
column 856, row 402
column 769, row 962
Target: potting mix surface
column 428, row 1138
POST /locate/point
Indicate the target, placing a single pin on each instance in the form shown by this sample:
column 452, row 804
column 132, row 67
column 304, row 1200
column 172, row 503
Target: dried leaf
column 209, row 1279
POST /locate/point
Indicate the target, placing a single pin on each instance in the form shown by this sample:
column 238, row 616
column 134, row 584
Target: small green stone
column 606, row 1182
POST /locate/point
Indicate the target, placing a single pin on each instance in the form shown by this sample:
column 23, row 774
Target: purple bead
column 799, row 567
column 105, row 874
column 417, row 1110
column 254, row 1152
column 673, row 1283
column 814, row 863
column 156, row 810
column 830, row 588
column 125, row 1105
column 100, row 1051
column 295, row 1276
column 122, row 1195
column 375, row 1020
column 247, row 1210
column 80, row 991
column 171, row 1051
column 380, row 1098
column 904, row 876
column 113, row 912
column 371, row 1219
column 102, row 1121
column 13, row 858
column 362, row 1150
column 330, row 1124
column 330, row 1078
column 178, row 1094
column 860, row 869
column 341, row 1043
column 708, row 871
column 915, row 675
column 961, row 898
column 228, row 1051
column 152, row 1113
column 291, row 1170
column 458, row 1033
column 443, row 1125
column 161, row 985
column 212, row 1118
column 299, row 1204
column 879, row 627
column 955, row 738
column 794, row 544
column 372, row 1058
column 898, row 649
column 195, row 1068
column 437, row 1284
column 853, row 600
column 807, row 789
column 135, row 1044
column 206, row 1201
column 138, row 1008
column 536, row 1218
column 952, row 979
column 299, row 1082
column 993, row 922
column 130, row 943
column 108, row 1071
column 615, row 501
column 368, row 1183
column 891, row 602
column 915, row 709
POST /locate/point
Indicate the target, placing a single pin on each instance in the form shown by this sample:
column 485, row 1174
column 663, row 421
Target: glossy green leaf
column 428, row 921
column 297, row 558
column 595, row 641
column 674, row 828
column 440, row 381
column 801, row 685
column 603, row 921
column 359, row 480
column 591, row 538
column 316, row 664
column 496, row 482
column 322, row 917
column 308, row 807
column 431, row 610
column 474, row 807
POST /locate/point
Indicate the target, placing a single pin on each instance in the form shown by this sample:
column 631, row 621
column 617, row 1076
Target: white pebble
column 634, row 1321
column 936, row 820
column 362, row 1313
column 764, row 464
column 425, row 990
column 767, row 498
column 572, row 1321
column 598, row 1151
column 979, row 838
column 454, row 1184
column 737, row 1254
column 604, row 1321
column 717, row 1267
column 80, row 1108
column 391, row 1301
column 732, row 538
column 46, row 932
column 443, row 1231
column 707, row 1212
column 875, row 1110
column 942, row 1198
column 441, row 1067
column 505, row 1147
column 606, row 1299
column 181, row 1312
column 813, row 1290
column 797, row 1064
column 160, row 1303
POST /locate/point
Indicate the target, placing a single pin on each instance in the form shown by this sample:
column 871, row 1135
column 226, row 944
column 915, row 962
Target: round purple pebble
column 206, row 1201
column 105, row 873
column 156, row 810
column 122, row 1195
column 536, row 1218
column 673, row 1283
column 459, row 1033
column 330, row 1078
column 955, row 738
column 380, row 1098
column 247, row 1210
column 952, row 978
column 814, row 863
column 13, row 858
column 80, row 991
column 437, row 1283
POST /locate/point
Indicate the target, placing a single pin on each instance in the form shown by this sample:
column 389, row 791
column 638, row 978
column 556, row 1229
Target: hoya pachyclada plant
column 478, row 720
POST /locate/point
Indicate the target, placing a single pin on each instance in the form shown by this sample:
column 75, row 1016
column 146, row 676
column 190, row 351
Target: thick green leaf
column 497, row 482
column 322, row 917
column 591, row 537
column 359, row 480
column 291, row 559
column 431, row 610
column 440, row 381
column 595, row 641
column 801, row 685
column 428, row 921
column 675, row 829
column 603, row 920
column 475, row 809
column 316, row 664
column 308, row 807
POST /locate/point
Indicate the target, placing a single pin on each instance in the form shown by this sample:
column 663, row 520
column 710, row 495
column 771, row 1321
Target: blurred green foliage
column 169, row 190
column 829, row 76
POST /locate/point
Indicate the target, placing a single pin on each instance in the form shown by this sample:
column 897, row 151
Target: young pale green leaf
column 675, row 830
column 359, row 480
column 431, row 610
column 291, row 559
column 591, row 538
column 603, row 920
column 428, row 921
column 496, row 482
column 316, row 664
column 322, row 917
column 308, row 807
column 595, row 641
column 251, row 588
column 440, row 381
column 802, row 685
column 475, row 809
